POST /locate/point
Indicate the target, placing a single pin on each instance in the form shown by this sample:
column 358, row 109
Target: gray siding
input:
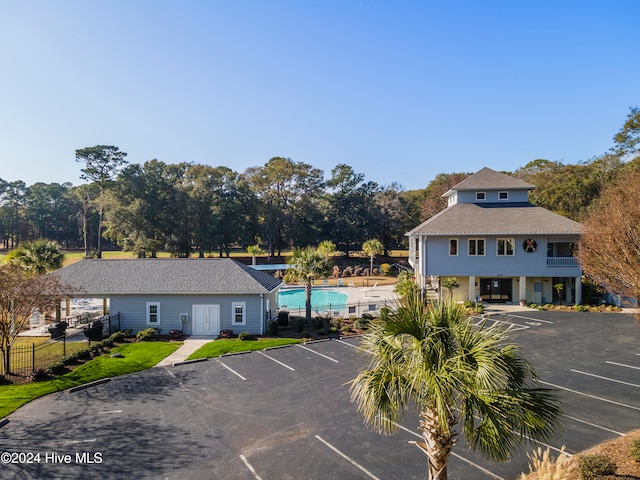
column 132, row 309
column 491, row 196
column 534, row 264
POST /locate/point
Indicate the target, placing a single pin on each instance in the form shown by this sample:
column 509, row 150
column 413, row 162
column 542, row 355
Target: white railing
column 562, row 262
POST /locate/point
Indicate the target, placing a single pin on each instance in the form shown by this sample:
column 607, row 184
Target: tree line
column 188, row 208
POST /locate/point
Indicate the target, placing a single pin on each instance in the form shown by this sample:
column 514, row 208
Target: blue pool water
column 320, row 298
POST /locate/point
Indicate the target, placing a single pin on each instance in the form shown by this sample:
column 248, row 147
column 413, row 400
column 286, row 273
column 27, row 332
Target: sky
column 399, row 90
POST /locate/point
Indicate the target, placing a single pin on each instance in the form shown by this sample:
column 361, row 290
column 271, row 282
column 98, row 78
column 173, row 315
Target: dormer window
column 503, row 195
column 481, row 196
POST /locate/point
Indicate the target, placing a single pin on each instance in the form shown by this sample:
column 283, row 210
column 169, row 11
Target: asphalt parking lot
column 285, row 413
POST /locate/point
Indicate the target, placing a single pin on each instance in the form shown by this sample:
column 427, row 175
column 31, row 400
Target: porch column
column 578, row 291
column 522, row 289
column 472, row 288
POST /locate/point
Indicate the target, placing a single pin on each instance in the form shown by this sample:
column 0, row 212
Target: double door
column 206, row 320
column 496, row 289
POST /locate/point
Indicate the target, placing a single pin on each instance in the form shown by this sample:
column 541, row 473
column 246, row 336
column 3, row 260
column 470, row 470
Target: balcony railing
column 562, row 262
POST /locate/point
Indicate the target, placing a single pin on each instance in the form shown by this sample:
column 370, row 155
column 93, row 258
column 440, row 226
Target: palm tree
column 464, row 380
column 39, row 256
column 372, row 248
column 254, row 250
column 306, row 264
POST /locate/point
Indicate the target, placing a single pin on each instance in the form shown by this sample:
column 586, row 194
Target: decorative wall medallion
column 529, row 245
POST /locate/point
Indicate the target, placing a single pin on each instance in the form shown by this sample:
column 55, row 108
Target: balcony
column 562, row 262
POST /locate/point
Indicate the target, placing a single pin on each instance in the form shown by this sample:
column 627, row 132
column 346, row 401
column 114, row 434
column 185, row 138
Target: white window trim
column 233, row 313
column 148, row 313
column 477, row 254
column 457, row 247
column 505, row 198
column 513, row 247
column 484, row 196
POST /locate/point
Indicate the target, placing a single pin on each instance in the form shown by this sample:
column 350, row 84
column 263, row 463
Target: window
column 476, row 246
column 239, row 313
column 505, row 247
column 453, row 246
column 503, row 195
column 480, row 195
column 153, row 313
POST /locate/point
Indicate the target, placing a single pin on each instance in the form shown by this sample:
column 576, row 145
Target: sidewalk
column 189, row 346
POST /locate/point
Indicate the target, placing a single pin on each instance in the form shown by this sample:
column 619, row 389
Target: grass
column 233, row 345
column 135, row 357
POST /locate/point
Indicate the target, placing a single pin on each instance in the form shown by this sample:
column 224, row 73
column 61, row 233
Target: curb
column 186, row 362
column 90, row 384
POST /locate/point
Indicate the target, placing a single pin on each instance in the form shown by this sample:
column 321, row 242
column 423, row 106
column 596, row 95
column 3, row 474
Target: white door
column 206, row 319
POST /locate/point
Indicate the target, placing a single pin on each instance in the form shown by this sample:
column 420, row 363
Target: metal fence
column 345, row 310
column 26, row 359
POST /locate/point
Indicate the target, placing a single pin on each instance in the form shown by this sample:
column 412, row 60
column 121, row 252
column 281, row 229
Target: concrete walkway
column 189, row 346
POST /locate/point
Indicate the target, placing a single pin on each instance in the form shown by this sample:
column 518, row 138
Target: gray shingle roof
column 166, row 276
column 497, row 219
column 487, row 179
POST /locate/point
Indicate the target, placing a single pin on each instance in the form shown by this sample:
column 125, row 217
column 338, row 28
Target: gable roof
column 487, row 179
column 497, row 219
column 166, row 276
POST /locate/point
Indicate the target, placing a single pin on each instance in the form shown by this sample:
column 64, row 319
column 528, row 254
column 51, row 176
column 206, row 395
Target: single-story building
column 200, row 296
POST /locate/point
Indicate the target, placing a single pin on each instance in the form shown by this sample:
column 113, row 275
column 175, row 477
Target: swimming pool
column 320, row 298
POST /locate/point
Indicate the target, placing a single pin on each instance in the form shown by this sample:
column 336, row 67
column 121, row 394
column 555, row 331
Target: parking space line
column 352, row 346
column 623, row 364
column 251, row 469
column 231, row 370
column 353, row 462
column 482, row 469
column 594, row 425
column 318, row 353
column 605, row 378
column 591, row 396
column 277, row 361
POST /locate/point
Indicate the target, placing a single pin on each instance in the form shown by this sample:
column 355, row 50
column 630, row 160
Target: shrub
column 361, row 324
column 305, row 334
column 299, row 323
column 55, row 368
column 242, row 336
column 38, row 374
column 272, row 328
column 336, row 323
column 322, row 331
column 582, row 308
column 226, row 333
column 146, row 335
column 336, row 271
column 84, row 354
column 119, row 336
column 367, row 316
column 333, row 330
column 593, row 466
column 385, row 269
column 346, row 328
column 635, row 449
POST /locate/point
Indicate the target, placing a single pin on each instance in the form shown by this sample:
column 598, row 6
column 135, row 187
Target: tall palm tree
column 305, row 265
column 372, row 248
column 464, row 380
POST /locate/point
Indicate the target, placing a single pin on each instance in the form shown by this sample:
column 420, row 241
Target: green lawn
column 135, row 357
column 233, row 345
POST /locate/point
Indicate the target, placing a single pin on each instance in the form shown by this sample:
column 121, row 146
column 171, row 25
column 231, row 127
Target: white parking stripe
column 622, row 365
column 354, row 463
column 251, row 469
column 317, row 353
column 352, row 346
column 277, row 361
column 482, row 469
column 591, row 396
column 594, row 425
column 231, row 370
column 605, row 378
